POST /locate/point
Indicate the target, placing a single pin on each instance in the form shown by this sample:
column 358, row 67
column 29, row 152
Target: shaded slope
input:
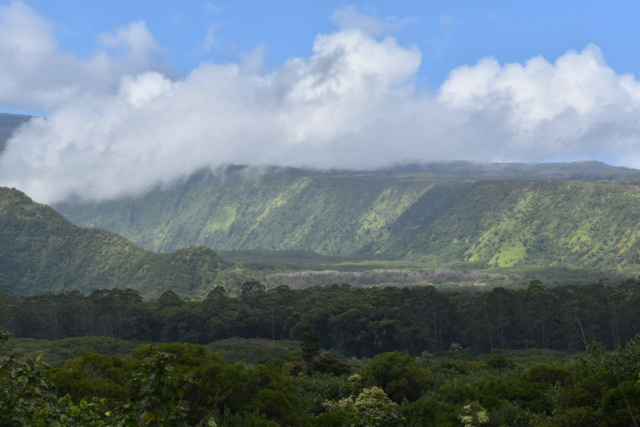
column 42, row 252
column 436, row 202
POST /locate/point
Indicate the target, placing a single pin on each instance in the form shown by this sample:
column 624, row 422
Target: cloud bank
column 117, row 124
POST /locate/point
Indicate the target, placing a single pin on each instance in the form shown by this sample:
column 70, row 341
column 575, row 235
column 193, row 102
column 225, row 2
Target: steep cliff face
column 438, row 218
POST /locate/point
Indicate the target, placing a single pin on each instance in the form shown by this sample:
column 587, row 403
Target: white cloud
column 24, row 32
column 36, row 75
column 133, row 39
column 552, row 110
column 350, row 18
column 210, row 38
column 540, row 90
column 344, row 87
column 118, row 126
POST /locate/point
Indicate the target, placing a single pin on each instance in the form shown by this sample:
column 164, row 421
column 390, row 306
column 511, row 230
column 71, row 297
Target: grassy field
column 282, row 267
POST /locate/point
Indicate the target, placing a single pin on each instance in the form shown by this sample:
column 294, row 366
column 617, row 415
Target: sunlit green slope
column 441, row 219
column 504, row 223
column 327, row 212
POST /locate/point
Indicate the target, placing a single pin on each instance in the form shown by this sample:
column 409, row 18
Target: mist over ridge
column 118, row 123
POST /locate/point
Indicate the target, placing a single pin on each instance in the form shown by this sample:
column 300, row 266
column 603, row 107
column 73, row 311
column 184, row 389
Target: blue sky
column 449, row 33
column 133, row 94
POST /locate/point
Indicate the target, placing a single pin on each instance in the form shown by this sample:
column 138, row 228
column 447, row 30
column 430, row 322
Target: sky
column 131, row 95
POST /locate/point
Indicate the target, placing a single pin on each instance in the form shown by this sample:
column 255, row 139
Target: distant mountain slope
column 8, row 124
column 442, row 219
column 327, row 212
column 503, row 223
column 42, row 252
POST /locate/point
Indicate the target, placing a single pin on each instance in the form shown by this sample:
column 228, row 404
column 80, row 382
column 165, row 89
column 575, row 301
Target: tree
column 159, row 400
column 251, row 293
column 7, row 308
column 27, row 397
column 398, row 375
column 310, row 348
column 170, row 299
column 372, row 407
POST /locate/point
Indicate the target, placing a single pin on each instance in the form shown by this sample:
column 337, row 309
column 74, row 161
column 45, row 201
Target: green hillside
column 42, row 252
column 453, row 219
column 327, row 212
column 504, row 223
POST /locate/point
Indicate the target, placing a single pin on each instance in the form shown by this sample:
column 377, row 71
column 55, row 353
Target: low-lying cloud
column 117, row 123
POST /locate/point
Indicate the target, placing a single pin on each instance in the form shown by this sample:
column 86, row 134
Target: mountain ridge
column 590, row 170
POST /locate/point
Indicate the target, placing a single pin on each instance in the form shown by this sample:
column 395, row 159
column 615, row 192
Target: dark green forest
column 367, row 357
column 352, row 321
